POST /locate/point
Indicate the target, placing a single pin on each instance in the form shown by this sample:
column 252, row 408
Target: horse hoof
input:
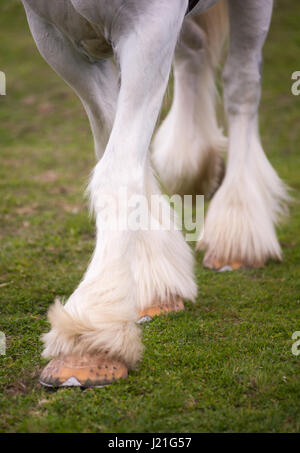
column 221, row 266
column 175, row 304
column 82, row 371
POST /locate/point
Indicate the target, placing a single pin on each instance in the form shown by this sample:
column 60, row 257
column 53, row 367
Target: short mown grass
column 225, row 364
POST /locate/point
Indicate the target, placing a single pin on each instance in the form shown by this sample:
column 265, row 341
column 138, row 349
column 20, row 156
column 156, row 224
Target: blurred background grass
column 223, row 365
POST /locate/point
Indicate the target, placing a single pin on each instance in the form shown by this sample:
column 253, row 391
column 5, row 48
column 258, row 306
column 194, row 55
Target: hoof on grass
column 220, row 266
column 82, row 371
column 175, row 304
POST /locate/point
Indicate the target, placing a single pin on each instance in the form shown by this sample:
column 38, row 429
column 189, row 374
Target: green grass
column 225, row 364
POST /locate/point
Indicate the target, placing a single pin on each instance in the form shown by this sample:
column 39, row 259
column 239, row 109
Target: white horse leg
column 187, row 147
column 240, row 223
column 75, row 330
column 161, row 261
column 130, row 270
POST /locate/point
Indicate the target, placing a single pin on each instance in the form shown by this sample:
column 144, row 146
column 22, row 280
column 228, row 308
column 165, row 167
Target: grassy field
column 225, row 364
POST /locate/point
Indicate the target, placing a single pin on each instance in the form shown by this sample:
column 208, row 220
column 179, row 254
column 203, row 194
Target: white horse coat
column 130, row 270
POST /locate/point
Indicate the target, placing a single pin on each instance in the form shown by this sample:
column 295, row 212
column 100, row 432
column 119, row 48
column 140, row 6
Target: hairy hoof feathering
column 82, row 371
column 230, row 263
column 157, row 309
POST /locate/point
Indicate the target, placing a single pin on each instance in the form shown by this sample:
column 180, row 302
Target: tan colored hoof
column 175, row 304
column 221, row 266
column 82, row 371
